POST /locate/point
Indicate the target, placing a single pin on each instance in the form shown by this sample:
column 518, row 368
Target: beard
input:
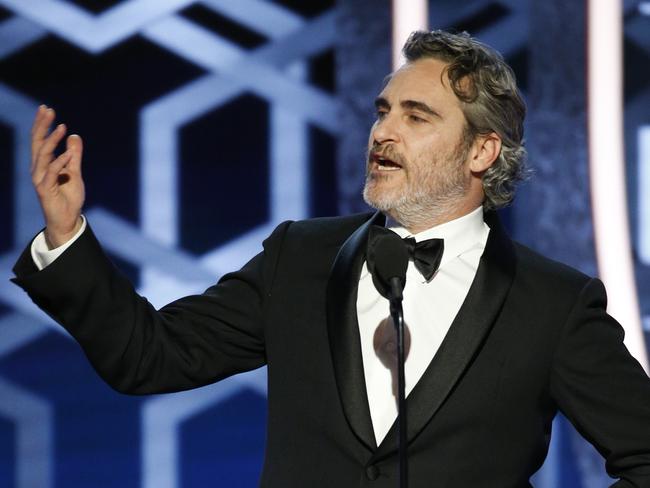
column 431, row 189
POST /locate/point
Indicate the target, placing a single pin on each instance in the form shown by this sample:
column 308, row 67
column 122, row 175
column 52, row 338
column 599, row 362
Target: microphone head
column 390, row 257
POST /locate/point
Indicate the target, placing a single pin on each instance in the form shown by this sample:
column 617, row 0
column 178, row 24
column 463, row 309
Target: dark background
column 205, row 124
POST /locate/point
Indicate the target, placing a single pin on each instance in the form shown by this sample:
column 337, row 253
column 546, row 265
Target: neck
column 417, row 220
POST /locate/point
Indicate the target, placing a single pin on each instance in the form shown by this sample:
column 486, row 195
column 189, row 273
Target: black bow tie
column 426, row 255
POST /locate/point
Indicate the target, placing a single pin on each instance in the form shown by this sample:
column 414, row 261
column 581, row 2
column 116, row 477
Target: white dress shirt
column 43, row 256
column 429, row 309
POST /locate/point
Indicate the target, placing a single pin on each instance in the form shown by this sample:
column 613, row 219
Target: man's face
column 417, row 152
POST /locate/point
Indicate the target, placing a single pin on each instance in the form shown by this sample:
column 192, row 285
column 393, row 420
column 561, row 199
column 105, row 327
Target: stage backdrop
column 206, row 123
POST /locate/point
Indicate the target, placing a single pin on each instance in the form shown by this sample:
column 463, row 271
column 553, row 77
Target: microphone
column 390, row 257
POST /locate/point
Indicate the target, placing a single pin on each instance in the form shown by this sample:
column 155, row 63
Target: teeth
column 381, row 167
column 384, row 164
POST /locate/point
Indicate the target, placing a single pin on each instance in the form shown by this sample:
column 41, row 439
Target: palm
column 57, row 180
column 65, row 198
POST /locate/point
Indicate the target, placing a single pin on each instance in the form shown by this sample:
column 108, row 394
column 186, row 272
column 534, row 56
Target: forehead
column 424, row 80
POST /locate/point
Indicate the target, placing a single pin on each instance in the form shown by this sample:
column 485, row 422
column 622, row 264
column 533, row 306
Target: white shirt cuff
column 42, row 256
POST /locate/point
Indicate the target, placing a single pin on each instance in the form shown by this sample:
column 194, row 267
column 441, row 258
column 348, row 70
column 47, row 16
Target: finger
column 74, row 144
column 41, row 112
column 54, row 169
column 38, row 132
column 43, row 144
column 37, row 117
column 52, row 140
column 45, row 155
column 44, row 118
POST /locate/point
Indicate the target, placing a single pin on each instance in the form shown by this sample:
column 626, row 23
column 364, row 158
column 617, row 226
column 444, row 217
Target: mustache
column 386, row 152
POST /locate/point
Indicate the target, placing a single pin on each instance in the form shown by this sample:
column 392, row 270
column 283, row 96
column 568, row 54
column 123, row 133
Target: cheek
column 422, row 158
column 424, row 145
column 428, row 148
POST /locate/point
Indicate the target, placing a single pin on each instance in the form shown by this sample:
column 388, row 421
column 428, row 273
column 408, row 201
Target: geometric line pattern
column 32, row 417
column 94, row 33
column 162, row 415
column 16, row 33
column 276, row 72
column 17, row 113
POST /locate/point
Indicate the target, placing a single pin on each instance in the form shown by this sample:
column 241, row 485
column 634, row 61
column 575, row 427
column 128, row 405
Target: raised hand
column 57, row 180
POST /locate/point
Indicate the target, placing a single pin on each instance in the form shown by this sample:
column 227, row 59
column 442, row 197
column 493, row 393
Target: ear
column 485, row 151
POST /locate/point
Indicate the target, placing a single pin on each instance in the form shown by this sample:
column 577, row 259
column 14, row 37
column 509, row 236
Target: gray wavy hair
column 490, row 101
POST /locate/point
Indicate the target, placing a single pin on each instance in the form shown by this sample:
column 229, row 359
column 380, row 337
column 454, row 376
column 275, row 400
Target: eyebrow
column 381, row 102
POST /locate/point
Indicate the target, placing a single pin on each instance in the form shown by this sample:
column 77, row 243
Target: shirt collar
column 460, row 234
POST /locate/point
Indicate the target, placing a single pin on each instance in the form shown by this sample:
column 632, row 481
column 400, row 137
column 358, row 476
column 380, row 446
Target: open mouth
column 384, row 164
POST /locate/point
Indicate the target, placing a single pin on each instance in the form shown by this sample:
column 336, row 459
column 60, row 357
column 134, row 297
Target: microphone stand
column 397, row 315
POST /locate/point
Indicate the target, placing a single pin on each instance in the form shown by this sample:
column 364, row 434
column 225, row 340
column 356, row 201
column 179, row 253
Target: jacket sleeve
column 602, row 389
column 136, row 349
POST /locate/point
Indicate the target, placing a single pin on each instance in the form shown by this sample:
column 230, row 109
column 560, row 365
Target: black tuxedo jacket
column 532, row 336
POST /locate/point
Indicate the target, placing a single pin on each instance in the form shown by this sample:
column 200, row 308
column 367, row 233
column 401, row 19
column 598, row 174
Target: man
column 500, row 336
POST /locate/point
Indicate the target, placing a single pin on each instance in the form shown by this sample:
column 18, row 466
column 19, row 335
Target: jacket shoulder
column 327, row 229
column 546, row 270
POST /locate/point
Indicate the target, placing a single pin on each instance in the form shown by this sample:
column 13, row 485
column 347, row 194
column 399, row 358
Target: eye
column 381, row 114
column 416, row 119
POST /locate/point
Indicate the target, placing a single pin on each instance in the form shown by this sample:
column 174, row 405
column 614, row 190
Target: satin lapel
column 465, row 337
column 343, row 330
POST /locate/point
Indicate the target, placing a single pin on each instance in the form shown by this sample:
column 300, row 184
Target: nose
column 385, row 130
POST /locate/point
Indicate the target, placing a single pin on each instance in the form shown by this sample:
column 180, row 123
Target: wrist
column 56, row 237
